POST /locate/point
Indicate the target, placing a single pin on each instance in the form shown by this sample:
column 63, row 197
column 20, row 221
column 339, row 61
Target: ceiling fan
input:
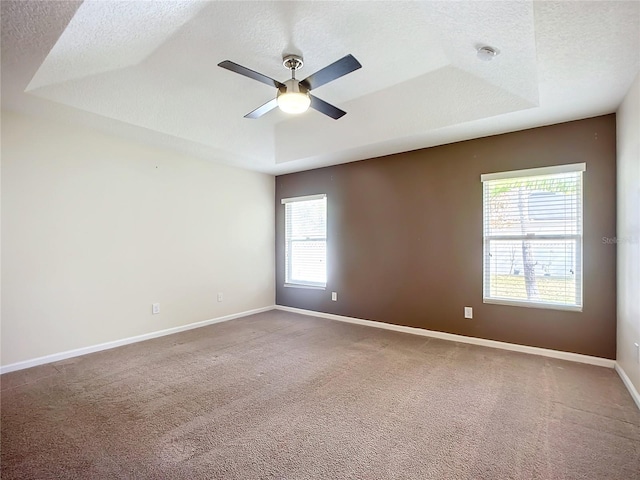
column 293, row 95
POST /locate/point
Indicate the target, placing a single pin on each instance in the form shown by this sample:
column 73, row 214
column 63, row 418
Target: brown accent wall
column 405, row 238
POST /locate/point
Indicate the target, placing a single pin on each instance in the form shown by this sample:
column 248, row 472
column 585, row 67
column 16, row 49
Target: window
column 533, row 237
column 306, row 241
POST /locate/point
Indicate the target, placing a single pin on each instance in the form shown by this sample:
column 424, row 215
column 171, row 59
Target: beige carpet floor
column 284, row 396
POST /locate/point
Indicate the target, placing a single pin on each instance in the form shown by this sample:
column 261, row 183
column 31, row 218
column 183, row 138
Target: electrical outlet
column 334, row 296
column 155, row 308
column 468, row 312
column 220, row 296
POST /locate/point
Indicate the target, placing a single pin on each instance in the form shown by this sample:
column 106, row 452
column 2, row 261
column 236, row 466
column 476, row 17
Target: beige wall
column 628, row 235
column 95, row 229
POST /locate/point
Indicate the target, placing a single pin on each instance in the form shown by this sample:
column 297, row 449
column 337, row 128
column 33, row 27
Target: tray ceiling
column 148, row 71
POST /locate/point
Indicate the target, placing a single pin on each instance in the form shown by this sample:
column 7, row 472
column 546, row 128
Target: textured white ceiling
column 97, row 41
column 147, row 70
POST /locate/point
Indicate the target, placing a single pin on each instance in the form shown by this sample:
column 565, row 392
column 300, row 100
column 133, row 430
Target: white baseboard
column 125, row 341
column 627, row 383
column 572, row 357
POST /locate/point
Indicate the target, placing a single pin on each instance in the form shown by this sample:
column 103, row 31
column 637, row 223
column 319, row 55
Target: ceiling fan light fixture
column 293, row 100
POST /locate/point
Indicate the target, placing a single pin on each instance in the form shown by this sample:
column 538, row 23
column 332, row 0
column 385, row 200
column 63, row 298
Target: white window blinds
column 533, row 237
column 306, row 240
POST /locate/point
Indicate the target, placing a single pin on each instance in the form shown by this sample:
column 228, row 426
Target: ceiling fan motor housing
column 293, row 86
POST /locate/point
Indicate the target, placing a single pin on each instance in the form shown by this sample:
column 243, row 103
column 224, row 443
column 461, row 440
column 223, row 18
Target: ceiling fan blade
column 234, row 67
column 261, row 110
column 326, row 108
column 337, row 69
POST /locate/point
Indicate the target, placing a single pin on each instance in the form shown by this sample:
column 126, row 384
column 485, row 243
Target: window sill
column 309, row 287
column 546, row 306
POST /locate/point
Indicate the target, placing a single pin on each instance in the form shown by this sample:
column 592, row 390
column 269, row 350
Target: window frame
column 288, row 242
column 578, row 238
